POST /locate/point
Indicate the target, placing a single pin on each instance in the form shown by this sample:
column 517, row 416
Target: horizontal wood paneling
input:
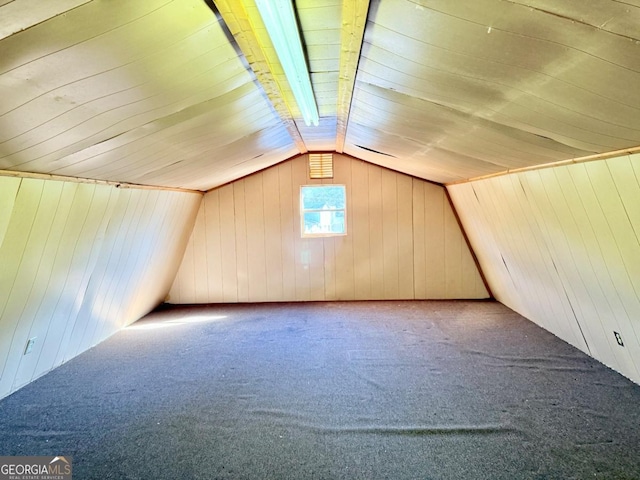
column 18, row 15
column 79, row 261
column 561, row 246
column 453, row 90
column 402, row 242
column 130, row 92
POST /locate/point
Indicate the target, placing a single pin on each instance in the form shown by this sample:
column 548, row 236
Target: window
column 323, row 210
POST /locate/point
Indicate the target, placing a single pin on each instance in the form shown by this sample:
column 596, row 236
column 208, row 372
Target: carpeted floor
column 377, row 390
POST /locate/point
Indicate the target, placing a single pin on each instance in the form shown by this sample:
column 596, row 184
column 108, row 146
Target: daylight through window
column 323, row 210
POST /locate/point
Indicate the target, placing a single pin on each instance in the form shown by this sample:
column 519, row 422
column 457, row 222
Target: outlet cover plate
column 618, row 339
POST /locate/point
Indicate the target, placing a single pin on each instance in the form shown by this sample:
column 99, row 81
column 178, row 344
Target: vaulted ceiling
column 189, row 93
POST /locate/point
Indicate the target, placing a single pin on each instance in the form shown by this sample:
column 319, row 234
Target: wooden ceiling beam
column 242, row 19
column 354, row 21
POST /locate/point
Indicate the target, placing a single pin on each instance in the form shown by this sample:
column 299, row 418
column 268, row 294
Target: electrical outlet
column 29, row 346
column 618, row 339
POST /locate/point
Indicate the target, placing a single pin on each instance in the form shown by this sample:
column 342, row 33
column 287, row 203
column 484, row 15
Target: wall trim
column 571, row 161
column 63, row 178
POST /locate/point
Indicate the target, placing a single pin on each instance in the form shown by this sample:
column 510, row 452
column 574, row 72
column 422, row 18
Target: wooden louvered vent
column 320, row 165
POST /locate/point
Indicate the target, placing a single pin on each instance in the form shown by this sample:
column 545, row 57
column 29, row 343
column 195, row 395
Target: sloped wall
column 403, row 242
column 561, row 247
column 79, row 261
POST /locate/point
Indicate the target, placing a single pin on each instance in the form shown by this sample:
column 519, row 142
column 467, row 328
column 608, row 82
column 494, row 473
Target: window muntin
column 323, row 210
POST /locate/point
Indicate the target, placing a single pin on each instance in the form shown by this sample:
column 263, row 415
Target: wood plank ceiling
column 190, row 94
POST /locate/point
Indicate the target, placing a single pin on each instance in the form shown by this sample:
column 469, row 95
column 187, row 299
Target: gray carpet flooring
column 359, row 390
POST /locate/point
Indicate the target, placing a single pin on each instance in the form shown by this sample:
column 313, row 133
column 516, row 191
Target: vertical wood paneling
column 108, row 271
column 77, row 262
column 419, row 240
column 448, row 269
column 161, row 270
column 329, row 268
column 199, row 242
column 239, row 213
column 158, row 207
column 453, row 246
column 228, row 244
column 31, row 278
column 486, row 245
column 597, row 195
column 105, row 271
column 102, row 207
column 317, row 272
column 595, row 305
column 405, row 236
column 513, row 257
column 316, row 251
column 186, row 287
column 390, row 234
column 125, row 272
column 302, row 256
column 131, row 264
column 552, row 303
column 492, row 210
column 8, row 190
column 569, row 235
column 146, row 266
column 273, row 233
column 568, row 242
column 211, row 205
column 359, row 228
column 329, row 258
column 40, row 304
column 70, row 259
column 18, row 232
column 623, row 253
column 627, row 184
column 256, row 254
column 376, row 245
column 613, row 308
column 470, row 281
column 403, row 240
column 290, row 227
column 344, row 261
column 435, row 239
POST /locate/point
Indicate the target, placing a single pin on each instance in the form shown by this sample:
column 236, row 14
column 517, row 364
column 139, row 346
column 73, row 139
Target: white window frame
column 303, row 211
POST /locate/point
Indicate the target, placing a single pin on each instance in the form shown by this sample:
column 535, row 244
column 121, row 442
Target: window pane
column 323, row 197
column 329, row 221
column 323, row 210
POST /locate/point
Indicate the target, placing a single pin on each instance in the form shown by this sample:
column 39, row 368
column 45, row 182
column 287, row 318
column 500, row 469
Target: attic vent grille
column 320, row 165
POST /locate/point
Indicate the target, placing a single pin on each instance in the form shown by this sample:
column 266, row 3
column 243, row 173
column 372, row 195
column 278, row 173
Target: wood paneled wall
column 403, row 242
column 78, row 261
column 561, row 246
